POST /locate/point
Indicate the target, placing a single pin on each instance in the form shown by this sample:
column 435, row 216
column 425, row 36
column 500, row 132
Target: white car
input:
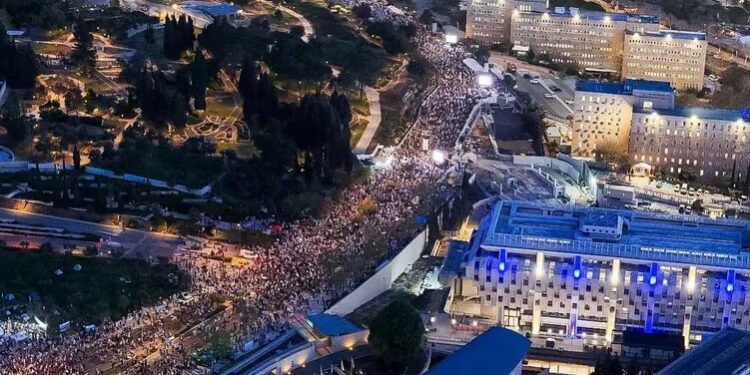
column 570, row 102
column 713, row 78
column 549, row 96
column 535, row 80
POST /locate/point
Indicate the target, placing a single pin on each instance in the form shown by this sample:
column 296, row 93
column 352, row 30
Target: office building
column 603, row 112
column 706, row 143
column 591, row 41
column 592, row 274
column 678, row 57
column 488, row 21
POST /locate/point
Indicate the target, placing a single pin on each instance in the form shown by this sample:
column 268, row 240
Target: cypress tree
column 200, row 80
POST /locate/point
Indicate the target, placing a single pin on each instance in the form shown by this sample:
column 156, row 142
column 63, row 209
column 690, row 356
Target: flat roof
column 598, row 16
column 701, row 113
column 625, row 87
column 332, row 325
column 642, row 235
column 497, row 351
column 211, row 8
column 676, row 34
column 721, row 353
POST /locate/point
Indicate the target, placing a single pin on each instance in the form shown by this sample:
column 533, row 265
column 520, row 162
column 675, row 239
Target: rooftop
column 722, row 353
column 642, row 235
column 596, row 16
column 332, row 325
column 625, row 87
column 676, row 34
column 497, row 351
column 212, row 9
column 700, row 112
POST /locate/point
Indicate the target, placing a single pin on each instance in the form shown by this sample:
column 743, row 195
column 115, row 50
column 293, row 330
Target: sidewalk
column 373, row 121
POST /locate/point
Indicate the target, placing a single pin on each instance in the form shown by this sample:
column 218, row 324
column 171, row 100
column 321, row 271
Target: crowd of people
column 313, row 262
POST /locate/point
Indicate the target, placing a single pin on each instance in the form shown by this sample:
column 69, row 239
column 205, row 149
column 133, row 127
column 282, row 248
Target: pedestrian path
column 373, row 121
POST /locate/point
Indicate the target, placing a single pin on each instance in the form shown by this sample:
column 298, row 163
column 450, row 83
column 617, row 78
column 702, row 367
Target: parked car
column 549, row 96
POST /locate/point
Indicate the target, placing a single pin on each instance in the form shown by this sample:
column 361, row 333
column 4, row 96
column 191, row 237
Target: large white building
column 489, row 21
column 590, row 41
column 678, row 57
column 591, row 274
column 603, row 112
column 705, row 143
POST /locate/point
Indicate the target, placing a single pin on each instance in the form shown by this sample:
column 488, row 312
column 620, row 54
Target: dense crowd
column 314, row 261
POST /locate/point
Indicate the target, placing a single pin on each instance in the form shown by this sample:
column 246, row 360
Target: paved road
column 134, row 241
column 373, row 121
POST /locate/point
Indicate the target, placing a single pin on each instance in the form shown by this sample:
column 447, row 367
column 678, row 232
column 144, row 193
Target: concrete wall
column 287, row 360
column 349, row 341
column 383, row 279
column 543, row 161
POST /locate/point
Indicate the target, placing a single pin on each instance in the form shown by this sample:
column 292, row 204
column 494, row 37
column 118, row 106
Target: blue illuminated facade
column 591, row 273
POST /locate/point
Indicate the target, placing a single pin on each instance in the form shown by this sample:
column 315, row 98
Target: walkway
column 309, row 31
column 373, row 121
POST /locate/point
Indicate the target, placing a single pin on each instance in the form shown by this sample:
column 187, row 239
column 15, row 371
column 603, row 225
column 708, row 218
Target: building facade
column 585, row 40
column 678, row 57
column 706, row 143
column 603, row 112
column 489, row 21
column 591, row 274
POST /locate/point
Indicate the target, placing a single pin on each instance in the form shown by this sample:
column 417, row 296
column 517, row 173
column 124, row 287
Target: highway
column 134, row 241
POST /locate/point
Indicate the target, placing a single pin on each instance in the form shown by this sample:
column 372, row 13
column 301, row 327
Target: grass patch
column 244, row 150
column 103, row 289
column 173, row 165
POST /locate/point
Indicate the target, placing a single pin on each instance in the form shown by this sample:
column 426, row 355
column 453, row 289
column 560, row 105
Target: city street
column 133, row 241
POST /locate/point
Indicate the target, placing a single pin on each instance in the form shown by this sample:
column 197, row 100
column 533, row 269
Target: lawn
column 175, row 166
column 103, row 288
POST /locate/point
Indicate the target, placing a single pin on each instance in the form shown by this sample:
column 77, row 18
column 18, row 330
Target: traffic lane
column 122, row 235
column 537, row 92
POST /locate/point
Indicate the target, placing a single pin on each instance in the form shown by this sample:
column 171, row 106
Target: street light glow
column 484, row 80
column 438, row 157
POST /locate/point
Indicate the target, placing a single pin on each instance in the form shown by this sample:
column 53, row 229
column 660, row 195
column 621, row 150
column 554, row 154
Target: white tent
column 20, row 336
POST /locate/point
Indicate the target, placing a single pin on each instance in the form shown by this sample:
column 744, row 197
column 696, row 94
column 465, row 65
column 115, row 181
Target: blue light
column 576, row 273
column 652, row 280
column 502, row 266
column 730, row 288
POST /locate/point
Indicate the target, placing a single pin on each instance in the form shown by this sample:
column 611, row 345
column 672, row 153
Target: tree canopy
column 396, row 334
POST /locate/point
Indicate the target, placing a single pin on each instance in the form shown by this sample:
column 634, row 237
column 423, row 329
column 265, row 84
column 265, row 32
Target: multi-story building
column 488, row 21
column 678, row 57
column 590, row 41
column 591, row 274
column 706, row 143
column 603, row 112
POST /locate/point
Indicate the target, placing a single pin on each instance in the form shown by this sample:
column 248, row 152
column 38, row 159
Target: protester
column 313, row 262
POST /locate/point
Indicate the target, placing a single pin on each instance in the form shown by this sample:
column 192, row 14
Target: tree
column 426, row 17
column 73, row 100
column 76, row 158
column 148, row 35
column 199, row 74
column 297, row 31
column 83, row 56
column 14, row 120
column 697, row 206
column 248, row 88
column 610, row 365
column 396, row 333
column 363, row 11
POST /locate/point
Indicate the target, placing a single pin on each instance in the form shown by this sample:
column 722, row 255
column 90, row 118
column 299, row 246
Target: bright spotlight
column 438, row 157
column 484, row 80
column 451, row 38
